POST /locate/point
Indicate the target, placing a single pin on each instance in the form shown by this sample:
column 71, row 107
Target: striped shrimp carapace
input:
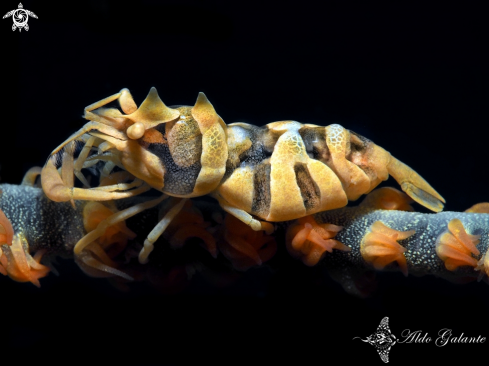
column 282, row 171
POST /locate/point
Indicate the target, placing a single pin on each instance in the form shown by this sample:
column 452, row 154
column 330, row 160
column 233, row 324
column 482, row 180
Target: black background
column 412, row 78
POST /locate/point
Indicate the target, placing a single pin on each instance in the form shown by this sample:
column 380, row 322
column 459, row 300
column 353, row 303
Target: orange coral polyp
column 3, row 263
column 308, row 240
column 456, row 247
column 300, row 233
column 94, row 213
column 96, row 258
column 468, row 241
column 20, row 265
column 388, row 198
column 380, row 248
column 483, row 265
column 6, row 230
column 482, row 207
column 194, row 231
column 189, row 223
column 13, row 260
column 245, row 247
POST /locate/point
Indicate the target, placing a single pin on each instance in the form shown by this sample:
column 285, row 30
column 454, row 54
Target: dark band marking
column 252, row 156
column 311, row 195
column 258, row 151
column 178, row 179
column 261, row 190
column 315, row 142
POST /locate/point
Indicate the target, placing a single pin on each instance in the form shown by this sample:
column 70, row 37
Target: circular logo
column 20, row 17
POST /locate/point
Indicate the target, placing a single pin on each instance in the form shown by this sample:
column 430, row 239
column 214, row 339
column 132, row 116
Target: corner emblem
column 382, row 339
column 20, row 17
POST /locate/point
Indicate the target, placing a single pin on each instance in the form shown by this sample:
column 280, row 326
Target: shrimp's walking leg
column 112, row 220
column 57, row 190
column 245, row 216
column 31, row 176
column 158, row 230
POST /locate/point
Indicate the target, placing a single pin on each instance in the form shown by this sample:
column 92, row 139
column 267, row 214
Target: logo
column 20, row 17
column 382, row 339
